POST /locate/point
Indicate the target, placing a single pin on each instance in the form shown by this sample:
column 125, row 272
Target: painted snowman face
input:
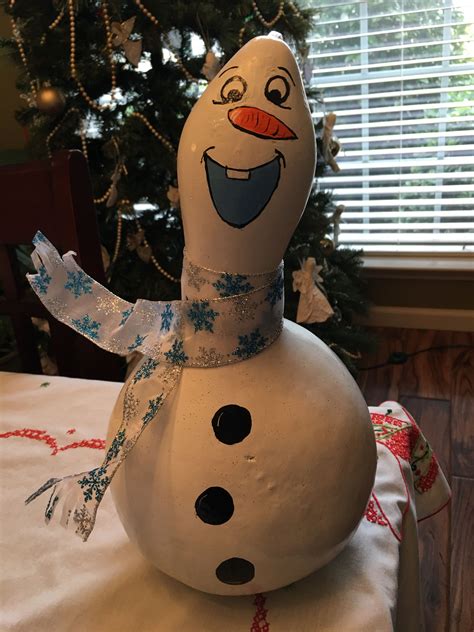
column 246, row 160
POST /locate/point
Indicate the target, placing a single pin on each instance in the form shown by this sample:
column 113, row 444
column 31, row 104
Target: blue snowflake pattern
column 145, row 370
column 166, row 318
column 232, row 284
column 176, row 354
column 136, row 343
column 41, row 280
column 125, row 316
column 78, row 283
column 202, row 316
column 153, row 407
column 87, row 326
column 250, row 345
column 115, row 446
column 275, row 291
column 38, row 238
column 95, row 483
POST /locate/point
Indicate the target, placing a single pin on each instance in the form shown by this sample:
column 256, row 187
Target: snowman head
column 246, row 160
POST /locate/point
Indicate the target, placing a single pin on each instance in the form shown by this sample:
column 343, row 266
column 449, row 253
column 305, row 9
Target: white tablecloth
column 53, row 582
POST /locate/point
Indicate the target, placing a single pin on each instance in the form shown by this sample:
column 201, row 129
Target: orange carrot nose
column 259, row 123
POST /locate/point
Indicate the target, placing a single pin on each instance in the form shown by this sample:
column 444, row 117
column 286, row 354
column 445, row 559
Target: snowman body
column 288, row 489
column 257, row 473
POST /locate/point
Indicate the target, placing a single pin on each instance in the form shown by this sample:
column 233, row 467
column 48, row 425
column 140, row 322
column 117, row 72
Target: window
column 399, row 74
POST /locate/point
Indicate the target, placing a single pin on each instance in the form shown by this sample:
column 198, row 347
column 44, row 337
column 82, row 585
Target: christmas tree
column 117, row 79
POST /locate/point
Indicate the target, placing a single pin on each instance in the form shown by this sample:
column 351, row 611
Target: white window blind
column 399, row 74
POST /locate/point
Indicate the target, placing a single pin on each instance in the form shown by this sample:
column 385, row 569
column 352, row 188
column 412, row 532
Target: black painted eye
column 233, row 89
column 277, row 90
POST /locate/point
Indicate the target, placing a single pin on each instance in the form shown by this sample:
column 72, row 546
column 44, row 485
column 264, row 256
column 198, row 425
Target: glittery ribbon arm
column 75, row 299
column 233, row 318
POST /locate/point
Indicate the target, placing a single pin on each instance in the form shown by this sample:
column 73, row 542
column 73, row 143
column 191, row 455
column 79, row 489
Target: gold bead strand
column 295, row 9
column 269, row 23
column 21, row 50
column 53, row 25
column 49, row 137
column 160, row 268
column 146, row 12
column 155, row 132
column 102, row 199
column 72, row 60
column 118, row 238
column 110, row 48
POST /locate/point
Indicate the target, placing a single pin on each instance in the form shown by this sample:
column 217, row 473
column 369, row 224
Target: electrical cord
column 400, row 357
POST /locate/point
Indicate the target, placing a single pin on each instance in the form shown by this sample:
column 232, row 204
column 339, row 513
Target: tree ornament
column 121, row 37
column 327, row 246
column 211, row 66
column 173, row 196
column 50, row 100
column 313, row 306
column 331, row 144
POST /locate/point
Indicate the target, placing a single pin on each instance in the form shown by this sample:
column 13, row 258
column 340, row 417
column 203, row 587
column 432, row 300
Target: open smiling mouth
column 240, row 195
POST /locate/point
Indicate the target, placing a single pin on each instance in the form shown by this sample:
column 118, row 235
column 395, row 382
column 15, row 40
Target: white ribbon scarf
column 225, row 318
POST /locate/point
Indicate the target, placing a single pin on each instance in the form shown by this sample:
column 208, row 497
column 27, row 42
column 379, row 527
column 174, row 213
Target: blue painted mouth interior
column 239, row 202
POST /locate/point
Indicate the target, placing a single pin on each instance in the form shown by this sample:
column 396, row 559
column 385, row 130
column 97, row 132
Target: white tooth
column 237, row 174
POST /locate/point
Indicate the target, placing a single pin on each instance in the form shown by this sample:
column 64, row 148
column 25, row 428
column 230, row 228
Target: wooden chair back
column 54, row 196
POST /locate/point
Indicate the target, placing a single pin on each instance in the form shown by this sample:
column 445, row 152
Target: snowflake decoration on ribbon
column 136, row 343
column 166, row 318
column 176, row 354
column 125, row 316
column 202, row 316
column 79, row 283
column 153, row 407
column 130, row 405
column 194, row 276
column 115, row 446
column 146, row 370
column 39, row 238
column 84, row 522
column 232, row 284
column 87, row 326
column 41, row 280
column 94, row 483
column 250, row 345
column 208, row 357
column 275, row 291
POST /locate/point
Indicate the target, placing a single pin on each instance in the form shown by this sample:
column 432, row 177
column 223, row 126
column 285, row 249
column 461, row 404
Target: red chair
column 54, row 197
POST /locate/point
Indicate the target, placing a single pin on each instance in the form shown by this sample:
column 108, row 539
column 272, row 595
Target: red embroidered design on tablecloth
column 42, row 435
column 260, row 623
column 405, row 440
column 374, row 514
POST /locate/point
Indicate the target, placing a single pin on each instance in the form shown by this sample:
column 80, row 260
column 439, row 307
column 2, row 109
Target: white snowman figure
column 259, row 472
column 240, row 453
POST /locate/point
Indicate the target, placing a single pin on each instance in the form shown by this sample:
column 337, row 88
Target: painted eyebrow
column 288, row 73
column 224, row 71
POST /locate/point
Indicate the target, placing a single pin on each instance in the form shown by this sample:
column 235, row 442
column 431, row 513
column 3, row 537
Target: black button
column 231, row 424
column 214, row 506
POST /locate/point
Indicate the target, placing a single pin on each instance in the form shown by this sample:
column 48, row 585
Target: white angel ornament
column 313, row 306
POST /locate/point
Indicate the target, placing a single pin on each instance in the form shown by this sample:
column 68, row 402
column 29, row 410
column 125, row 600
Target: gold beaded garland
column 55, row 129
column 295, row 9
column 269, row 23
column 21, row 50
column 146, row 12
column 72, row 58
column 155, row 132
column 126, row 203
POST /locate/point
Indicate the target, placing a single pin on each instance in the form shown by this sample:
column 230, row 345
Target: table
column 53, row 582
